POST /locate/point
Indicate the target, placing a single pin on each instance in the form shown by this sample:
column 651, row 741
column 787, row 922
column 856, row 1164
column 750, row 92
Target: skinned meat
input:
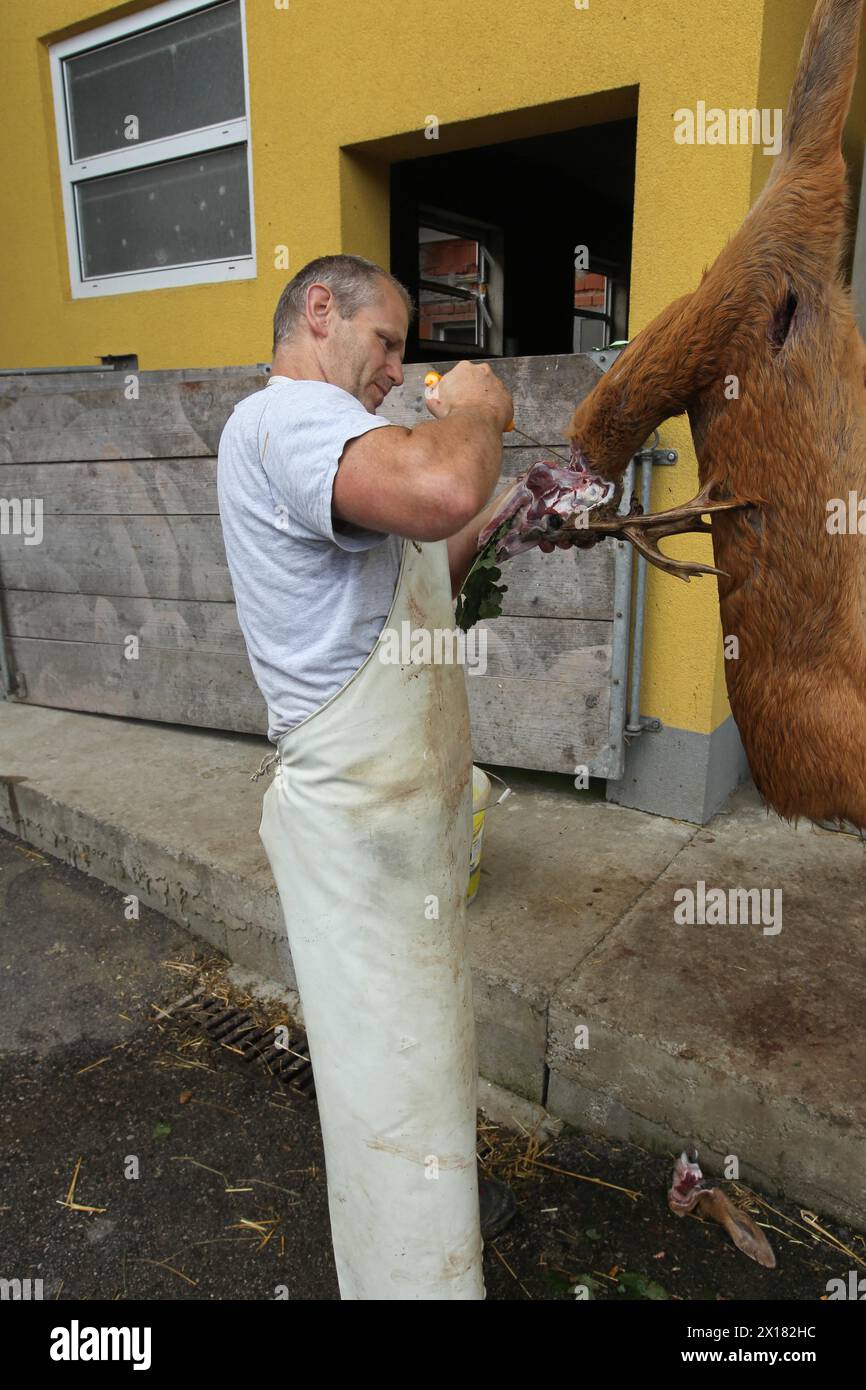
column 544, row 500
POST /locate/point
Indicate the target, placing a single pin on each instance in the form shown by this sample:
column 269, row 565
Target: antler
column 643, row 531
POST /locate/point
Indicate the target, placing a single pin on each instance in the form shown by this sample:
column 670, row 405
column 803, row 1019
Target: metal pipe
column 619, row 665
column 634, row 725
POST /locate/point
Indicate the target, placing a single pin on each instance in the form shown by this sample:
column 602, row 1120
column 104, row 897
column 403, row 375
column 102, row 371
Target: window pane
column 449, row 260
column 181, row 211
column 444, row 318
column 591, row 291
column 590, row 334
column 173, row 78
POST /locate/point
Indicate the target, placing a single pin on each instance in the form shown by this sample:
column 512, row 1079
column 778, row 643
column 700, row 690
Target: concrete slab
column 748, row 1039
column 160, row 810
column 744, row 1042
column 559, row 868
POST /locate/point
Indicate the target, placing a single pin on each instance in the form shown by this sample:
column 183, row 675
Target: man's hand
column 471, row 386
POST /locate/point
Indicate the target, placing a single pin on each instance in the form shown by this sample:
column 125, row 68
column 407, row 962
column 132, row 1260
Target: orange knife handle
column 433, row 379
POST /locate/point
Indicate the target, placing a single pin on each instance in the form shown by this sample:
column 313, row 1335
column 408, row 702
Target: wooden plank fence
column 132, row 546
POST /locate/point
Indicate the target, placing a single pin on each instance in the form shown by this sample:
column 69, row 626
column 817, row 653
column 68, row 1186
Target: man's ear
column 320, row 304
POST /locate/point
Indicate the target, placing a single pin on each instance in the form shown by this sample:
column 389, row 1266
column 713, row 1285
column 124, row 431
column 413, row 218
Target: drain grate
column 236, row 1029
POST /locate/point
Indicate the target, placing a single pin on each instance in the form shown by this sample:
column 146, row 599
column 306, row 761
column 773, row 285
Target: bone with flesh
column 542, row 501
column 689, row 1192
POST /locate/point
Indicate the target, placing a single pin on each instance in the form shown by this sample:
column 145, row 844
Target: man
column 336, row 524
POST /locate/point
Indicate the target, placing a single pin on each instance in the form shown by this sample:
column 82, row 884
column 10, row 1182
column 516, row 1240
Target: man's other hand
column 471, row 386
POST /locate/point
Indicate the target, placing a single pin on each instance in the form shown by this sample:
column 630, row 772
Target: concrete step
column 592, row 999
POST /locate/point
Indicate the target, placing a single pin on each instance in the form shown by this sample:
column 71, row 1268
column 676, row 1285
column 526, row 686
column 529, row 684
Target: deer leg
column 800, row 214
column 787, row 248
column 654, row 378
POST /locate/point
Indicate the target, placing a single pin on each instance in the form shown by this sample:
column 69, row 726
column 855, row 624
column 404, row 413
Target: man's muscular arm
column 428, row 483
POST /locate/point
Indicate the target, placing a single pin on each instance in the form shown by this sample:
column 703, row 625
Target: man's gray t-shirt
column 310, row 601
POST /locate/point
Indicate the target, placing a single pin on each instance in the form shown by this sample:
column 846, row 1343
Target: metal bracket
column 647, row 726
column 657, row 456
column 605, row 357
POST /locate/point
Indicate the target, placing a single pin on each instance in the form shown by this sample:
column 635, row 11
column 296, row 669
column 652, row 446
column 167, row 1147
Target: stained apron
column 367, row 826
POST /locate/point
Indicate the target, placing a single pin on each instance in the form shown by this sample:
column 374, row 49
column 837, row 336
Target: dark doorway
column 489, row 242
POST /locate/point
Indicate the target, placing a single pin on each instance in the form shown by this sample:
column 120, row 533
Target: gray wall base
column 681, row 774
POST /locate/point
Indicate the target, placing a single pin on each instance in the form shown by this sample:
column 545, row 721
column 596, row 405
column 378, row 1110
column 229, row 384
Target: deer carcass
column 773, row 315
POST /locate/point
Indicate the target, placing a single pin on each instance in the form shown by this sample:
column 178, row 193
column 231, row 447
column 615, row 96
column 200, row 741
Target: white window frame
column 143, row 153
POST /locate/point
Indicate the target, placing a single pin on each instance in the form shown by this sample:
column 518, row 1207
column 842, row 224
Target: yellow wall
column 328, row 74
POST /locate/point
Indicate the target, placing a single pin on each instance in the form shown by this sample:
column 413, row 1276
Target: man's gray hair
column 352, row 280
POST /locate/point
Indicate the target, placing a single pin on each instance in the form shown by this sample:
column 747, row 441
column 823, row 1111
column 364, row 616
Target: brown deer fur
column 774, row 313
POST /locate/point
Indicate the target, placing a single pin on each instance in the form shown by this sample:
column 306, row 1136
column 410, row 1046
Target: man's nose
column 395, row 374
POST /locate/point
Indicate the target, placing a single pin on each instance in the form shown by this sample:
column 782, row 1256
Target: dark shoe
column 498, row 1205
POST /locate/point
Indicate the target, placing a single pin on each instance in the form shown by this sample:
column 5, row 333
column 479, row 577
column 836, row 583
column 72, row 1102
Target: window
column 154, row 149
column 459, row 283
column 593, row 311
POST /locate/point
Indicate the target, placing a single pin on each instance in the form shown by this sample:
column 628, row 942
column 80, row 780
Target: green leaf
column 161, row 1131
column 480, row 596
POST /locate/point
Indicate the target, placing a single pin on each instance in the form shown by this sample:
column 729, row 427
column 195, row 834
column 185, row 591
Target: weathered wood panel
column 563, row 584
column 514, row 724
column 176, row 419
column 183, row 557
column 49, row 383
column 544, row 698
column 548, row 650
column 117, row 487
column 148, row 556
column 183, row 416
column 169, row 623
column 545, row 391
column 132, row 544
column 212, row 690
column 534, row 669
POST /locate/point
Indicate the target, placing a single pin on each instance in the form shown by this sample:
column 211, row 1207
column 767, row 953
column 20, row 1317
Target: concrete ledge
column 741, row 1042
column 162, row 812
column 781, row 1148
column 675, row 772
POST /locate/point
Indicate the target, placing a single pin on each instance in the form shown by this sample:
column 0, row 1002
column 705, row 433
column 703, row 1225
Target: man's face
column 367, row 350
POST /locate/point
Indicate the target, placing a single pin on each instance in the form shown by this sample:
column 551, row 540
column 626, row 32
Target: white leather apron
column 367, row 826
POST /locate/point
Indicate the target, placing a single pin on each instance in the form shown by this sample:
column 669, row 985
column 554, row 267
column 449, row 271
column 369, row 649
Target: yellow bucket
column 481, row 803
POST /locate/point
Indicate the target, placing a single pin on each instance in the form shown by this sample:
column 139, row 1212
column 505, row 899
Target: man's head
column 343, row 319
